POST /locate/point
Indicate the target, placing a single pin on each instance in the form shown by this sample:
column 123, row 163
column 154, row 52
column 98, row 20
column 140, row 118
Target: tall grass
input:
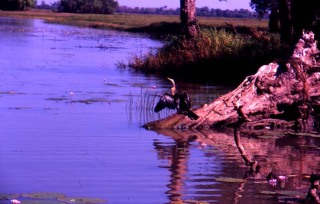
column 223, row 53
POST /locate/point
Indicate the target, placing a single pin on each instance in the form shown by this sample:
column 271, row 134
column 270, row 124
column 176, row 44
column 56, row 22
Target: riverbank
column 231, row 48
column 145, row 23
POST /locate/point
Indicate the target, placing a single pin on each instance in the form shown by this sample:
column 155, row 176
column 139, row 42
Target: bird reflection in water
column 177, row 154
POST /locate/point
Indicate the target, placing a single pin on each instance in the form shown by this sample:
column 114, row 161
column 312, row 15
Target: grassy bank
column 214, row 56
column 229, row 48
column 131, row 22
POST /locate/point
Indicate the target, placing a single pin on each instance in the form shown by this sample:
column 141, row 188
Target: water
column 71, row 124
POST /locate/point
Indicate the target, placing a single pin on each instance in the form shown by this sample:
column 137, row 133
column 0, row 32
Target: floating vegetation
column 10, row 92
column 286, row 199
column 44, row 195
column 6, row 196
column 57, row 99
column 19, row 108
column 50, row 198
column 193, row 202
column 284, row 193
column 286, row 196
column 90, row 101
column 83, row 200
column 229, row 180
column 41, row 201
column 85, row 101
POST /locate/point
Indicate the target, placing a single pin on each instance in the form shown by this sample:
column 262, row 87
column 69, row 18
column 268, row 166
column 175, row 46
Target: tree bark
column 282, row 95
column 285, row 22
column 188, row 17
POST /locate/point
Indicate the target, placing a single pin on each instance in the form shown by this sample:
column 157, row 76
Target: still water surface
column 70, row 124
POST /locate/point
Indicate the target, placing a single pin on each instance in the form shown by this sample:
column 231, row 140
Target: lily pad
column 229, row 180
column 41, row 201
column 44, row 195
column 57, row 99
column 282, row 192
column 287, row 199
column 195, row 202
column 90, row 101
column 7, row 196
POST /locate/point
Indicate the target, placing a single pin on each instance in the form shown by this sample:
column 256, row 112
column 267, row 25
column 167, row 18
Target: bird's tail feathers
column 192, row 115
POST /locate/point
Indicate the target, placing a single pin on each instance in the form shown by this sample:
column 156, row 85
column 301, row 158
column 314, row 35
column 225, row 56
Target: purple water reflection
column 70, row 123
column 64, row 117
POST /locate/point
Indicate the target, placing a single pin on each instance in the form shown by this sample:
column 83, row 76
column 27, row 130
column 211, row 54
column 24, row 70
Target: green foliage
column 202, row 11
column 217, row 51
column 16, row 4
column 89, row 6
column 263, row 7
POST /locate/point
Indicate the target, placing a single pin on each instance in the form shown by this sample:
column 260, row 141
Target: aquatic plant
column 212, row 51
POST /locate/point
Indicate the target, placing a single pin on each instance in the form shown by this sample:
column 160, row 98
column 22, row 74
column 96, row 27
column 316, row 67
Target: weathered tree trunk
column 281, row 95
column 274, row 26
column 285, row 21
column 188, row 17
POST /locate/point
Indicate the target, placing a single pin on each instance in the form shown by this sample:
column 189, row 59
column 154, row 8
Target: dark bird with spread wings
column 180, row 102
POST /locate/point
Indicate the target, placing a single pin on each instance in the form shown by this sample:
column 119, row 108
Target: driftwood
column 280, row 96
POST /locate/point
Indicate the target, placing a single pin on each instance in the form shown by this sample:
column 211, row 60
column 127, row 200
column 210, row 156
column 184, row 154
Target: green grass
column 227, row 55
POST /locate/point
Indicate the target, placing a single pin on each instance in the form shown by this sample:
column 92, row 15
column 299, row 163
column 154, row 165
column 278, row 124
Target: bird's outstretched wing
column 166, row 101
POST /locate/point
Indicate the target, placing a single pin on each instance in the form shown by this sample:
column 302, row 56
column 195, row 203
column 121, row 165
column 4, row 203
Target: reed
column 142, row 107
column 214, row 50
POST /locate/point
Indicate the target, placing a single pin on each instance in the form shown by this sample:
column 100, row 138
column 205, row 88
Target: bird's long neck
column 173, row 88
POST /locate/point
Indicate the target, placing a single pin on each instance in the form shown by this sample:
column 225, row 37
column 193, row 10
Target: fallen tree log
column 282, row 95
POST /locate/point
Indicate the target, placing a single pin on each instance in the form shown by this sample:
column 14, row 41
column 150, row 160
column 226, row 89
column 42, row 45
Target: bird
column 178, row 101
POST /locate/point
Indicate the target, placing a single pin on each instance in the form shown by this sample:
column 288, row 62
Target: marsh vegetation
column 229, row 56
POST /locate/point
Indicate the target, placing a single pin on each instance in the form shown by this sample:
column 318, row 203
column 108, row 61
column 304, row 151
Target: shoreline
column 154, row 24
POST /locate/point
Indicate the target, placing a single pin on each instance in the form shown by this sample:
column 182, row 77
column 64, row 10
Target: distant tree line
column 203, row 11
column 66, row 5
column 88, row 6
column 17, row 4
